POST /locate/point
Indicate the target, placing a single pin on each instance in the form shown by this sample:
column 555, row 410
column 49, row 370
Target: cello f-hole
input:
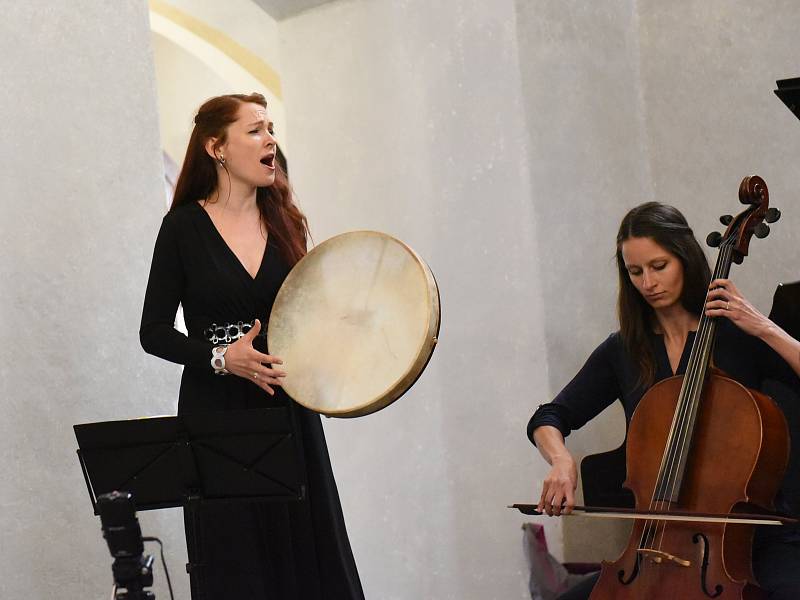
column 696, row 538
column 634, row 572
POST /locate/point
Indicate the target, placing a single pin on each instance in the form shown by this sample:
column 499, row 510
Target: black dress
column 292, row 550
column 609, row 375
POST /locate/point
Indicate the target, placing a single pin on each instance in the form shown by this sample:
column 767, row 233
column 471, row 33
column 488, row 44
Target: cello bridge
column 658, row 556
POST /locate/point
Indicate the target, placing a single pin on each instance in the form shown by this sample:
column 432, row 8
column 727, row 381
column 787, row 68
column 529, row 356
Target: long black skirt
column 276, row 550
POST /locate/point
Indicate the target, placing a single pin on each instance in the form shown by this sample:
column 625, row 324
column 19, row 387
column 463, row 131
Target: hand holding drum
column 245, row 361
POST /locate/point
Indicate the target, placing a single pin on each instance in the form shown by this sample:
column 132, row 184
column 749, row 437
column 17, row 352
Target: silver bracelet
column 218, row 359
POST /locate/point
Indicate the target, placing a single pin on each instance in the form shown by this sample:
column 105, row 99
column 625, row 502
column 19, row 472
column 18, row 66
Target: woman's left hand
column 724, row 300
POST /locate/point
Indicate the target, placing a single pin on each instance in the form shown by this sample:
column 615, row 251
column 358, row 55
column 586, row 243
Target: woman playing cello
column 663, row 290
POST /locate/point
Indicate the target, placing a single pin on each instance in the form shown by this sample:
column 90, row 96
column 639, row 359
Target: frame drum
column 355, row 323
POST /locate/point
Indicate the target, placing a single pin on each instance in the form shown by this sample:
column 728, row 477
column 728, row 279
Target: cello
column 701, row 444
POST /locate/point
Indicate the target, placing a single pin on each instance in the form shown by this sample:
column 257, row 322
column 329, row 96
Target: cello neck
column 703, row 345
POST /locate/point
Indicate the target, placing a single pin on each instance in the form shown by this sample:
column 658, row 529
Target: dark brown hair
column 198, row 177
column 667, row 227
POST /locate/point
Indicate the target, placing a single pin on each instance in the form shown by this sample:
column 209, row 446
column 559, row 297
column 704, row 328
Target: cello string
column 695, row 379
column 667, row 476
column 706, row 333
column 650, row 529
column 668, row 461
column 695, row 375
column 688, row 398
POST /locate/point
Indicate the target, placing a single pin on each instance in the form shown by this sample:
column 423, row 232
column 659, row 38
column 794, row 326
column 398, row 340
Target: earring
column 221, row 160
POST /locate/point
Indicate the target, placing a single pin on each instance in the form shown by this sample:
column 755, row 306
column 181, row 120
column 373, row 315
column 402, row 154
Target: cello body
column 737, row 461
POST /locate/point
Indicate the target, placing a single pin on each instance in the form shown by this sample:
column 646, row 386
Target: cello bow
column 665, row 515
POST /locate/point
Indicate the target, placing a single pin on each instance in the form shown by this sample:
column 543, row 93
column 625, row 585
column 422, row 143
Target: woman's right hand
column 558, row 489
column 245, row 361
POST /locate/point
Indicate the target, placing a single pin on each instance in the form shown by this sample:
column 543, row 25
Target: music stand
column 789, row 92
column 165, row 462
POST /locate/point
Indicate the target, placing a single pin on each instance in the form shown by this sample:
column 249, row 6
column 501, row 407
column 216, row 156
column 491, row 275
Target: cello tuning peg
column 714, row 239
column 726, row 220
column 773, row 214
column 761, row 231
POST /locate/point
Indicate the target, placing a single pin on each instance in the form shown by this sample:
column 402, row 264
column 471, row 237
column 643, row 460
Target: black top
column 609, row 375
column 192, row 265
column 267, row 550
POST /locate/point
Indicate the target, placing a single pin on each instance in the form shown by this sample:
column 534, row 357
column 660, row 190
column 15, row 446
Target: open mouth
column 268, row 160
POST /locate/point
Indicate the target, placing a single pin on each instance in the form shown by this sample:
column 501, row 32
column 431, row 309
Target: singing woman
column 231, row 236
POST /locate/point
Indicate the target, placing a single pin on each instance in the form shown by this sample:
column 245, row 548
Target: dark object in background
column 789, row 92
column 602, row 476
column 132, row 570
column 281, row 158
column 786, row 307
column 786, row 314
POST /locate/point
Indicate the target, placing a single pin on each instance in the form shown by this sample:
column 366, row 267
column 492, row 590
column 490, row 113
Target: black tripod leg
column 194, row 547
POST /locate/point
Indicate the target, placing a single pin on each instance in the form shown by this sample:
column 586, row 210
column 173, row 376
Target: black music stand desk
column 226, row 456
column 167, row 461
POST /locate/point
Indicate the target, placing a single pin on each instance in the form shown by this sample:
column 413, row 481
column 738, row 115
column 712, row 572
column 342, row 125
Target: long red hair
column 198, row 177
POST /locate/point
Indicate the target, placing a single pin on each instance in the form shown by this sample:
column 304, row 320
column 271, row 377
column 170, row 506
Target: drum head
column 355, row 323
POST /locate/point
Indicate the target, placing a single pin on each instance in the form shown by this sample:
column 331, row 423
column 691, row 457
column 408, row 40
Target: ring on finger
column 727, row 306
column 255, row 375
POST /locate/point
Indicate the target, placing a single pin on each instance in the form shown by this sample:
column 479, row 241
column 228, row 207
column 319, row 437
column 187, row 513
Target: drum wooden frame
column 355, row 322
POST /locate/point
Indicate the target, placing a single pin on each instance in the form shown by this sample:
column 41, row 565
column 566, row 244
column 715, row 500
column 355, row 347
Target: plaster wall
column 184, row 83
column 190, row 69
column 407, row 118
column 80, row 164
column 244, row 20
column 588, row 160
column 708, row 71
column 622, row 103
column 632, row 101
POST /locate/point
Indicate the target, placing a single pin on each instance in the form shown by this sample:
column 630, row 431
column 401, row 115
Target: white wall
column 708, row 72
column 589, row 110
column 79, row 167
column 184, row 83
column 407, row 118
column 585, row 121
column 192, row 67
column 244, row 20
